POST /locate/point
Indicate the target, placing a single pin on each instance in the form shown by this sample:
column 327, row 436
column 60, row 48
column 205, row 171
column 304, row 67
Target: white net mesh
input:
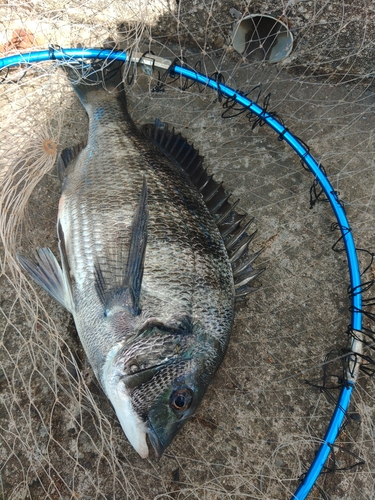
column 260, row 423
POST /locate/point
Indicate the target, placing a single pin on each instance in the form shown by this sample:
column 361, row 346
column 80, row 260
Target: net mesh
column 260, row 423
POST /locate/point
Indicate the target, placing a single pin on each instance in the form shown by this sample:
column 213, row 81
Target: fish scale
column 175, row 240
column 145, row 270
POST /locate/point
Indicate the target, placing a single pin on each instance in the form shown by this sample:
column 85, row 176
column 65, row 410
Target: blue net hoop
column 69, row 55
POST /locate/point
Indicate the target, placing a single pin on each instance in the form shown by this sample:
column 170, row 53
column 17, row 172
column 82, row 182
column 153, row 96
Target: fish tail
column 98, row 76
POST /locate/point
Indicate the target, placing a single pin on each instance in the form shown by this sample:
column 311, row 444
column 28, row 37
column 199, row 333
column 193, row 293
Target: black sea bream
column 153, row 256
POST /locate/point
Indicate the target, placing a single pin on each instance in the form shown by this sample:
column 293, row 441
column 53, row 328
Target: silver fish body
column 145, row 269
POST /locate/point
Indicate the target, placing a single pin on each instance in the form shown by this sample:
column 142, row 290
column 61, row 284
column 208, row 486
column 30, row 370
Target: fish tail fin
column 98, row 76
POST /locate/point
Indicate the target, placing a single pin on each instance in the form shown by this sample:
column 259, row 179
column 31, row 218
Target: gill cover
column 155, row 401
column 157, row 383
column 168, row 399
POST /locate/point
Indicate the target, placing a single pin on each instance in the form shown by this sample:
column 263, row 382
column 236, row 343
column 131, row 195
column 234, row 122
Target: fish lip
column 159, row 448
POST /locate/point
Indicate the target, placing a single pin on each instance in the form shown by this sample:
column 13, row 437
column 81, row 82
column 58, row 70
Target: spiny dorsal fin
column 127, row 296
column 228, row 220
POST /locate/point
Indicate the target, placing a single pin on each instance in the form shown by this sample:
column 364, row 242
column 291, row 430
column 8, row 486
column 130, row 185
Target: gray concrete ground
column 260, row 423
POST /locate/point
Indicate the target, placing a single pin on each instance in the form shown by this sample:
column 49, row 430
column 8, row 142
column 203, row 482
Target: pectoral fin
column 137, row 250
column 47, row 272
column 128, row 294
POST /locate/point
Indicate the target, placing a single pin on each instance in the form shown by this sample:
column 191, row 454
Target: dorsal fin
column 228, row 220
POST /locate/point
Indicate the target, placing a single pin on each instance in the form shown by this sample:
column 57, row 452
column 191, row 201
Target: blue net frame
column 72, row 54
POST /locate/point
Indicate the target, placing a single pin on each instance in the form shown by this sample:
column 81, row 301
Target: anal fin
column 66, row 156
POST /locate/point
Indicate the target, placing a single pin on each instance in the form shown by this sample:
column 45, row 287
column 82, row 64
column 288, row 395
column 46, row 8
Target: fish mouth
column 155, row 441
column 161, row 438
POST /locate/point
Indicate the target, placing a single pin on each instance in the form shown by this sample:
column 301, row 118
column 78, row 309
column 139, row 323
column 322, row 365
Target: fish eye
column 181, row 399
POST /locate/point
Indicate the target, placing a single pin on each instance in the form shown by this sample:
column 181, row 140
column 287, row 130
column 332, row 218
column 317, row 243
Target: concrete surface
column 260, row 423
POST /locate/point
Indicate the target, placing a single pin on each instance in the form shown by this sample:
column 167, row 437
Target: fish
column 153, row 257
